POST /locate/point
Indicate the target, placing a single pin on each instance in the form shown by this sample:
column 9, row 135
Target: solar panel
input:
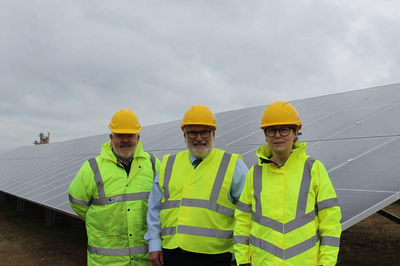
column 355, row 134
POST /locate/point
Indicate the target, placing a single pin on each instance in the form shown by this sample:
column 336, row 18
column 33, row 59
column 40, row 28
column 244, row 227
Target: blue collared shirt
column 153, row 235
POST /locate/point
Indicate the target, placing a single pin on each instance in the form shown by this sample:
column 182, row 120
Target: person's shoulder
column 237, row 155
column 223, row 151
column 312, row 159
column 181, row 153
column 166, row 156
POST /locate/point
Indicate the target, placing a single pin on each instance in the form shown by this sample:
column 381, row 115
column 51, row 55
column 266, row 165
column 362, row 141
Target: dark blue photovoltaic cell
column 337, row 152
column 383, row 123
column 375, row 170
column 355, row 202
column 355, row 134
column 331, row 125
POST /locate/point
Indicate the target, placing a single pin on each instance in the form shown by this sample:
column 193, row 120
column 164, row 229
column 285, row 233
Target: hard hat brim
column 183, row 125
column 263, row 126
column 124, row 131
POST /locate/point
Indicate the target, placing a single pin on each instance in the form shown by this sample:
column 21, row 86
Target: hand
column 157, row 258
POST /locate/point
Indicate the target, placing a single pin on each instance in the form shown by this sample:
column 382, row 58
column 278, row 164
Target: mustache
column 125, row 144
column 196, row 142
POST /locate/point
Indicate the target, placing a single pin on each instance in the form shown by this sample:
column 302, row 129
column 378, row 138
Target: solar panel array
column 355, row 134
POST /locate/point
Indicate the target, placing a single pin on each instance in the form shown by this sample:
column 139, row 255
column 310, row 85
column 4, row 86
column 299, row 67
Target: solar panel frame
column 350, row 133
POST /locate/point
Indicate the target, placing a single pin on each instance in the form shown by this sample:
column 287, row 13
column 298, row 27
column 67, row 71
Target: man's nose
column 199, row 137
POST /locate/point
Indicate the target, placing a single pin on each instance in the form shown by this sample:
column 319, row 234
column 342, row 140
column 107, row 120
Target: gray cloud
column 68, row 66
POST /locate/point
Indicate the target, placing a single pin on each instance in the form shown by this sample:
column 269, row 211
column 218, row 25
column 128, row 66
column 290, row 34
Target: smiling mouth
column 199, row 143
column 125, row 147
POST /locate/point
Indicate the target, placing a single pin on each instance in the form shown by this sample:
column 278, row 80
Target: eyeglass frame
column 279, row 129
column 199, row 132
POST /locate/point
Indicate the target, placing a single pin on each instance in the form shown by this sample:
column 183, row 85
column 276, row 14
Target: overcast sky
column 67, row 66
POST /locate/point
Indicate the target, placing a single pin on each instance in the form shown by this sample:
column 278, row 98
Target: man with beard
column 191, row 205
column 110, row 193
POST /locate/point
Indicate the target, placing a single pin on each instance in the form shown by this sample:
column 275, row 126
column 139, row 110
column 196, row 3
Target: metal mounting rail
column 390, row 216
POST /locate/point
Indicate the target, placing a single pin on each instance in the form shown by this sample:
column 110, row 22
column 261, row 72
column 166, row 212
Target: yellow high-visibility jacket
column 287, row 215
column 114, row 206
column 196, row 214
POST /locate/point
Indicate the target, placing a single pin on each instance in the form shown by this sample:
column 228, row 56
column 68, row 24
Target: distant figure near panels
column 42, row 139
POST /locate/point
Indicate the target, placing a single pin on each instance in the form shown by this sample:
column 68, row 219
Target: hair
column 294, row 128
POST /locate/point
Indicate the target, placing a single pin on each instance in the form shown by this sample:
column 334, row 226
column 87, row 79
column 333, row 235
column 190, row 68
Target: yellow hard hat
column 199, row 115
column 125, row 122
column 280, row 113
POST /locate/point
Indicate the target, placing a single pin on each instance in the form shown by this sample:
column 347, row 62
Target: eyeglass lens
column 283, row 131
column 194, row 134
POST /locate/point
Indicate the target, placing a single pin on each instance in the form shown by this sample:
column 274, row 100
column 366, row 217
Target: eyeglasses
column 283, row 131
column 203, row 134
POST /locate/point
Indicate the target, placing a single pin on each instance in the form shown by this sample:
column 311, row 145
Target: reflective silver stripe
column 210, row 205
column 97, row 178
column 103, row 200
column 328, row 203
column 121, row 198
column 288, row 253
column 267, row 222
column 167, row 175
column 302, row 218
column 79, row 202
column 137, row 196
column 243, row 207
column 301, row 247
column 207, row 204
column 304, row 188
column 257, row 185
column 223, row 167
column 201, row 231
column 167, row 231
column 170, row 204
column 267, row 246
column 153, row 164
column 167, row 204
column 299, row 221
column 241, row 240
column 330, row 241
column 118, row 251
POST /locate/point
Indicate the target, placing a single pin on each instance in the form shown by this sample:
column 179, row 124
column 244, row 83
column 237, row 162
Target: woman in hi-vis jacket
column 288, row 213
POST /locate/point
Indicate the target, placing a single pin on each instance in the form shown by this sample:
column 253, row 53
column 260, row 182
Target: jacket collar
column 107, row 153
column 264, row 153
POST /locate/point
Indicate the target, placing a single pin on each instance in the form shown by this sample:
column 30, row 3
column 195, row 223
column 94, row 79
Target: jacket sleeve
column 238, row 180
column 81, row 190
column 241, row 235
column 153, row 235
column 329, row 216
column 158, row 164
